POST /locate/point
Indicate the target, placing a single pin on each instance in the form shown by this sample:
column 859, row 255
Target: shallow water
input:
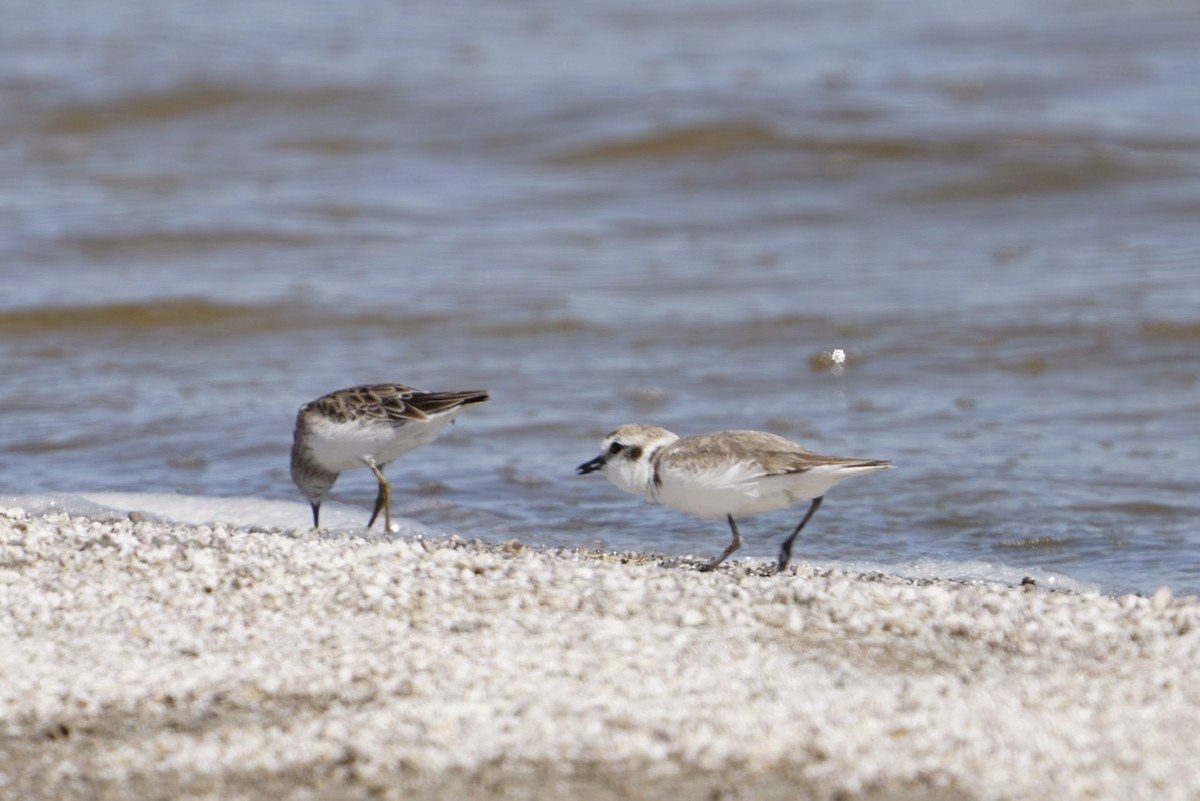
column 616, row 213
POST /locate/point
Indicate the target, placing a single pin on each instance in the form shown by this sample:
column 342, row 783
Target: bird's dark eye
column 615, row 448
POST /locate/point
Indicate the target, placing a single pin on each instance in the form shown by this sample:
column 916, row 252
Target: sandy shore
column 140, row 659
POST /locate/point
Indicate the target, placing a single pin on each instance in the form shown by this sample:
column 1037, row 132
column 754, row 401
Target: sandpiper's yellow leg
column 383, row 499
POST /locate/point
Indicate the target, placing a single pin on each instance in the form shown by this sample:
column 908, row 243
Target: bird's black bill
column 590, row 467
column 316, row 507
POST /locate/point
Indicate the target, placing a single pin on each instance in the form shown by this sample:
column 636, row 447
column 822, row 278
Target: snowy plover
column 367, row 426
column 723, row 474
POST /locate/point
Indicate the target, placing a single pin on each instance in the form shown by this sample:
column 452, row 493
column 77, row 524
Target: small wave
column 37, row 447
column 1139, row 509
column 1036, row 543
column 703, row 140
column 1171, row 330
column 719, row 140
column 334, row 145
column 233, row 319
column 139, row 317
column 1009, row 165
column 963, row 166
column 86, row 118
column 533, row 326
column 165, row 244
column 192, row 99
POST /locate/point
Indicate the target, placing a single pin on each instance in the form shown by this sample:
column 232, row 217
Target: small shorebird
column 723, row 475
column 367, row 426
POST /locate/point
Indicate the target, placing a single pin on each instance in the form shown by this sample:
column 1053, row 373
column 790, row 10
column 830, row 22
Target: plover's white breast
column 711, row 491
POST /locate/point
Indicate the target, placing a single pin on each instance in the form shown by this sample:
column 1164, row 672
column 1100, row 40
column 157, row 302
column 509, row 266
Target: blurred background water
column 619, row 211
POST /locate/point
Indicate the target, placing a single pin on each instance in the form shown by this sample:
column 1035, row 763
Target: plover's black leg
column 785, row 550
column 734, row 544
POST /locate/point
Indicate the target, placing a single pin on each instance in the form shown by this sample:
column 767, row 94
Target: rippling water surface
column 616, row 212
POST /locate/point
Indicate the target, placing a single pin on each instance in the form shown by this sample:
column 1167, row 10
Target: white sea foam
column 246, row 512
column 980, row 571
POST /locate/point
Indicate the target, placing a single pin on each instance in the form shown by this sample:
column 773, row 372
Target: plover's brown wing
column 752, row 454
column 800, row 463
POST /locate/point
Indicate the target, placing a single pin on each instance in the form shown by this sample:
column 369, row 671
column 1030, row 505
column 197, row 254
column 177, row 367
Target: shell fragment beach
column 154, row 659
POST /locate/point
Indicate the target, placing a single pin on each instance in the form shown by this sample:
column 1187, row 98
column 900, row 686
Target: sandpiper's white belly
column 344, row 446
